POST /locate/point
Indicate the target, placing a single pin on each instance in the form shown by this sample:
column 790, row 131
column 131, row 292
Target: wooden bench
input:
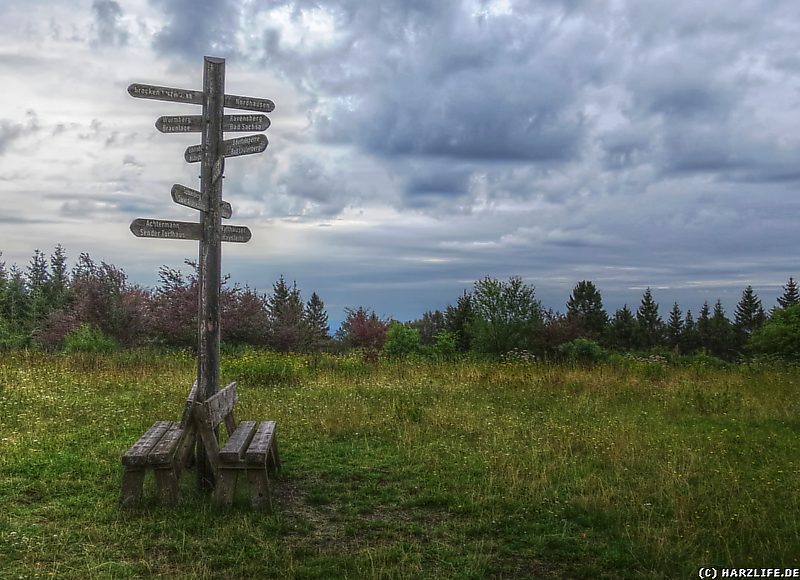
column 251, row 449
column 165, row 449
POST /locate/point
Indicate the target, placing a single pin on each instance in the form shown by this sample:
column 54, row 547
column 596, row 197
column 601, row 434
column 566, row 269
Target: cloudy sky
column 418, row 146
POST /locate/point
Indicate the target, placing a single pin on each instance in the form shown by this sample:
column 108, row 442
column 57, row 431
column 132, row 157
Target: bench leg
column 132, row 481
column 225, row 487
column 274, row 459
column 260, row 489
column 167, row 485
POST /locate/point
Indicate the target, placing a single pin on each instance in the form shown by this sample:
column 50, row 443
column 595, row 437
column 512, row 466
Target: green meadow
column 416, row 469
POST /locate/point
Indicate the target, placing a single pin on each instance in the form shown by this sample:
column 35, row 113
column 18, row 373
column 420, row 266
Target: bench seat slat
column 163, row 451
column 236, row 446
column 137, row 454
column 262, row 441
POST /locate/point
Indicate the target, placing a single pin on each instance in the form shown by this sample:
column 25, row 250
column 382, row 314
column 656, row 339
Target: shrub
column 780, row 335
column 583, row 350
column 11, row 338
column 402, row 341
column 445, row 345
column 86, row 338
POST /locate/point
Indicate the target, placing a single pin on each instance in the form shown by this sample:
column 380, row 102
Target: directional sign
column 194, row 199
column 231, row 148
column 158, row 93
column 141, row 91
column 194, row 123
column 249, row 103
column 174, row 230
column 239, row 234
column 166, row 229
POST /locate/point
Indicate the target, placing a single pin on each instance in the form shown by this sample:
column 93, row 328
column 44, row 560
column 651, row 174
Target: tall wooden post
column 210, row 246
column 211, row 154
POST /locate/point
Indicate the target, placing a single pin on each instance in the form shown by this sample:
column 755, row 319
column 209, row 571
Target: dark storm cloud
column 108, row 29
column 633, row 143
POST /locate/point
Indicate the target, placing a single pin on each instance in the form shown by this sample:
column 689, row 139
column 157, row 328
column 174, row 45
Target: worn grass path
column 412, row 470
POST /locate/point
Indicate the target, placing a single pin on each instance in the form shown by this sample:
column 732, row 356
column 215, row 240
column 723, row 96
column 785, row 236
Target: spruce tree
column 749, row 317
column 457, row 319
column 722, row 343
column 58, row 284
column 16, row 300
column 690, row 339
column 586, row 304
column 38, row 281
column 623, row 329
column 791, row 294
column 315, row 319
column 704, row 331
column 675, row 327
column 649, row 324
column 285, row 313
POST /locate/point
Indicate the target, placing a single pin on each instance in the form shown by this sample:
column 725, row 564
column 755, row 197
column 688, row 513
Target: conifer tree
column 38, row 280
column 749, row 316
column 457, row 319
column 285, row 313
column 58, row 283
column 649, row 324
column 791, row 294
column 675, row 327
column 690, row 339
column 722, row 344
column 704, row 330
column 623, row 329
column 16, row 300
column 586, row 304
column 315, row 319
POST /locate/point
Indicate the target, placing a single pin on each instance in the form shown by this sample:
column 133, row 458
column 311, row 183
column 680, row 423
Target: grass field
column 411, row 470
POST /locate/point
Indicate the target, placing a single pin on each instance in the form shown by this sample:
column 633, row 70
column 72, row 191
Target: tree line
column 49, row 306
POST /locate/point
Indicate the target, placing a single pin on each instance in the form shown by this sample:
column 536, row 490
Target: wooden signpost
column 209, row 231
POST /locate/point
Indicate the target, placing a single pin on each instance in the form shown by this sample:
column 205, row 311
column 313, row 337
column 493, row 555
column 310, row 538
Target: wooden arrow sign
column 192, row 198
column 231, row 148
column 141, row 91
column 249, row 103
column 194, row 123
column 166, row 229
column 175, row 230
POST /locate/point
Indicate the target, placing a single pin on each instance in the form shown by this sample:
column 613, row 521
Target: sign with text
column 176, row 230
column 194, row 123
column 192, row 198
column 141, row 91
column 231, row 148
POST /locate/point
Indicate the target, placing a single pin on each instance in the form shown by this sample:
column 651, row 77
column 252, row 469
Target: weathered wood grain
column 260, row 490
column 188, row 197
column 163, row 451
column 236, row 446
column 260, row 444
column 137, row 454
column 218, row 405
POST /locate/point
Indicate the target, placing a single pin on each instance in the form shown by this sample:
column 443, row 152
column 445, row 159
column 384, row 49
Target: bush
column 445, row 345
column 583, row 350
column 11, row 339
column 780, row 335
column 265, row 369
column 86, row 338
column 402, row 341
